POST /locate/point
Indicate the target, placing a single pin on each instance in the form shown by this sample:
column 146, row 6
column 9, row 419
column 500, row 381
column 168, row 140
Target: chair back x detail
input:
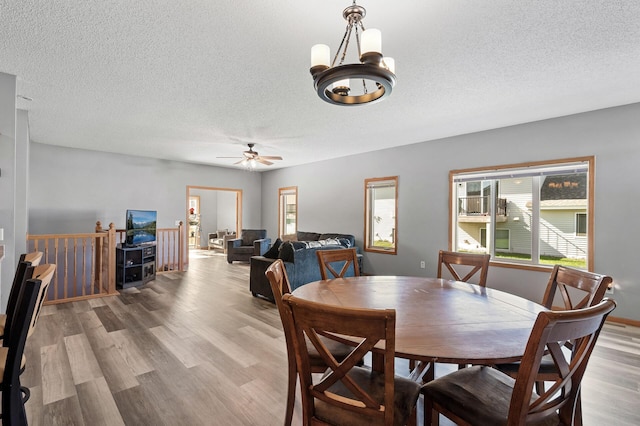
column 347, row 393
column 572, row 284
column 329, row 260
column 478, row 262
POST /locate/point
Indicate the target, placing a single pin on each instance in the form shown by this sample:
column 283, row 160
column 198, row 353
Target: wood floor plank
column 115, row 370
column 183, row 349
column 97, row 404
column 136, row 407
column 109, row 320
column 130, row 352
column 84, row 366
column 57, row 379
column 63, row 412
column 34, row 407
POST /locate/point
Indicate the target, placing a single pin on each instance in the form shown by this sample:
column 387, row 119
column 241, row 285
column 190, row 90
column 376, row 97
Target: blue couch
column 300, row 261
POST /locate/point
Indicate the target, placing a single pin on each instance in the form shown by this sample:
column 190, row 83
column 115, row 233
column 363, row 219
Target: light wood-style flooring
column 196, row 348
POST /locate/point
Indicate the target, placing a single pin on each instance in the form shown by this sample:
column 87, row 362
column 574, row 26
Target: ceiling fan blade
column 263, row 161
column 243, row 161
column 228, row 157
column 249, row 154
column 271, row 157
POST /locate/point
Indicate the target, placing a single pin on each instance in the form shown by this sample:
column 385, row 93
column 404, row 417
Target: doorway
column 209, row 210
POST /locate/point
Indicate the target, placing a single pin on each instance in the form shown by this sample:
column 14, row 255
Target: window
column 525, row 214
column 581, row 224
column 381, row 211
column 502, row 238
column 288, row 211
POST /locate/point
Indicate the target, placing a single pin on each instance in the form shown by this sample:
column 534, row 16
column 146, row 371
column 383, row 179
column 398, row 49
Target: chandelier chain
column 345, row 43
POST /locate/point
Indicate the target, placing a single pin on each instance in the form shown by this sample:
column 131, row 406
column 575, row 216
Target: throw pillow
column 273, row 252
column 329, row 242
column 345, row 242
column 307, row 236
column 299, row 245
column 286, row 252
column 222, row 233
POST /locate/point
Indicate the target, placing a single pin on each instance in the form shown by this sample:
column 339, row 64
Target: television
column 141, row 227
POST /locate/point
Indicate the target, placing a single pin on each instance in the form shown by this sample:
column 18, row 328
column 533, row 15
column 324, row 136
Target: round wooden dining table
column 438, row 320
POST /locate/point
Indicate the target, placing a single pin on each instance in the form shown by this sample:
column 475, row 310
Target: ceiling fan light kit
column 251, row 158
column 368, row 81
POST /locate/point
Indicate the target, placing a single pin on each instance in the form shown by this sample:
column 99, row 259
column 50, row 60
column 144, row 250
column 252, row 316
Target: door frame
column 211, row 188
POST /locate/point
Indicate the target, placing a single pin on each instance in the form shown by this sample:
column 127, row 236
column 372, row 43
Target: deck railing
column 480, row 206
column 86, row 265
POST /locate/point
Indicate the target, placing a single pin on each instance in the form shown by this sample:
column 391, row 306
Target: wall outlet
column 422, row 264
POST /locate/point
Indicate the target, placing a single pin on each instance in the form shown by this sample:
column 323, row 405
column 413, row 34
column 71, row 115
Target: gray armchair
column 252, row 242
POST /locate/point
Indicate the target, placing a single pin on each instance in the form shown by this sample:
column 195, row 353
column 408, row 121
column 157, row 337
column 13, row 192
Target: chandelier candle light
column 368, row 81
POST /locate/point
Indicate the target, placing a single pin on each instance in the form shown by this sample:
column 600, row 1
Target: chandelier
column 368, row 81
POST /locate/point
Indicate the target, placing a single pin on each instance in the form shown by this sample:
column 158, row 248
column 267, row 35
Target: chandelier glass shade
column 369, row 80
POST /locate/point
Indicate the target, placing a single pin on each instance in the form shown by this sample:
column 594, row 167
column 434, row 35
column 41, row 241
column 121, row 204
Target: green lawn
column 383, row 244
column 546, row 260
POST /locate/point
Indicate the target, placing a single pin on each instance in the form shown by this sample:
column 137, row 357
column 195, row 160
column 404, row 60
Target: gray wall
column 226, row 211
column 70, row 189
column 331, row 194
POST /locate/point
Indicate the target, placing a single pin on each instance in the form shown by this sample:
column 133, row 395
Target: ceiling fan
column 251, row 157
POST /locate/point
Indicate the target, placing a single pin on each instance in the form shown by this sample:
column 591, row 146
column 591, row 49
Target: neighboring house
column 563, row 215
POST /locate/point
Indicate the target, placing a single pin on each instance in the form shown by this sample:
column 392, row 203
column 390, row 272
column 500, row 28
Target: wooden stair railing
column 169, row 248
column 85, row 262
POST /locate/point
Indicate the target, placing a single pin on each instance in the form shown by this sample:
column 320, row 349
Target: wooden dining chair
column 42, row 274
column 577, row 289
column 347, row 393
column 482, row 395
column 12, row 361
column 477, row 262
column 26, row 264
column 343, row 259
column 279, row 281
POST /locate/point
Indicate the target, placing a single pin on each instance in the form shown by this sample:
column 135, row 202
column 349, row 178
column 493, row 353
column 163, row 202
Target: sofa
column 252, row 242
column 300, row 260
column 218, row 240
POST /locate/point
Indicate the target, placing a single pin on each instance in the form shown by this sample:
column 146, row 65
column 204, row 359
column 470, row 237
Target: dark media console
column 135, row 265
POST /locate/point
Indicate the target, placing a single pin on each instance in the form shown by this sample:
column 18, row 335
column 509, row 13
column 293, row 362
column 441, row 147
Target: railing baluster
column 101, row 279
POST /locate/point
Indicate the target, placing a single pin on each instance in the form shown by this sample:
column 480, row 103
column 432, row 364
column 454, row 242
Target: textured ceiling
column 192, row 80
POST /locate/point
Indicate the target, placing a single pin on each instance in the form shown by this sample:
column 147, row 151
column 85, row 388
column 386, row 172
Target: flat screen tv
column 141, row 227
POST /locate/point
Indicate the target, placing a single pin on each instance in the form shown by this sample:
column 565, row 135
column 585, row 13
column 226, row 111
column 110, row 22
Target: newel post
column 111, row 259
column 181, row 246
column 97, row 285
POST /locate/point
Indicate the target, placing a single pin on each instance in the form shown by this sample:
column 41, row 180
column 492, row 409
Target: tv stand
column 135, row 265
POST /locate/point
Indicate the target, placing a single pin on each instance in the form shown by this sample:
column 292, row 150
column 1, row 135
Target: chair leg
column 291, row 394
column 428, row 412
column 13, row 412
column 577, row 410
